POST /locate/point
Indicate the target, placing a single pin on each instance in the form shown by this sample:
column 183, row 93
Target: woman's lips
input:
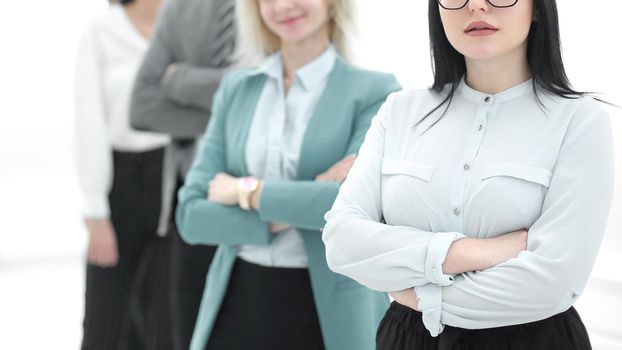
column 290, row 21
column 480, row 28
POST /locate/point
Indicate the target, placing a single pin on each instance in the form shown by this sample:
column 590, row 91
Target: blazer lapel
column 320, row 132
column 240, row 120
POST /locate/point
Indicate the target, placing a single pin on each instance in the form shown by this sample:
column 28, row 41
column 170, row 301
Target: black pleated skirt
column 402, row 328
column 267, row 308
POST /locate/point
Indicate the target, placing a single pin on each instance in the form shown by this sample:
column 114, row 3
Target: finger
column 106, row 259
column 95, row 258
column 346, row 165
column 90, row 258
column 349, row 160
column 114, row 259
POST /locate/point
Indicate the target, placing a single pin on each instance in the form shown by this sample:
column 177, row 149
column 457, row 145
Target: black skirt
column 402, row 328
column 267, row 308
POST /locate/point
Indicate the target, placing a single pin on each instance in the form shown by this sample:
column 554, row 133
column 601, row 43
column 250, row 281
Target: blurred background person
column 120, row 172
column 282, row 139
column 192, row 47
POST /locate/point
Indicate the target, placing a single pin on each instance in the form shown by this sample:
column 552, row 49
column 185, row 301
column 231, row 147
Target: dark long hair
column 544, row 54
column 123, row 2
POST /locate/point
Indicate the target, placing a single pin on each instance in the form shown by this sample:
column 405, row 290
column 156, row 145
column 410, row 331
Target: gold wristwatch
column 246, row 187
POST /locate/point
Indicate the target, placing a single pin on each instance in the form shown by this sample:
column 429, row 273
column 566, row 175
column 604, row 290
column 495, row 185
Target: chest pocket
column 406, row 189
column 522, row 172
column 513, row 192
column 412, row 169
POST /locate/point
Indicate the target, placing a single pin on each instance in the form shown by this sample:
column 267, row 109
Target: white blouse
column 492, row 165
column 110, row 53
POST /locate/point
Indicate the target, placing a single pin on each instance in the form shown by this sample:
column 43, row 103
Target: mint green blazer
column 349, row 313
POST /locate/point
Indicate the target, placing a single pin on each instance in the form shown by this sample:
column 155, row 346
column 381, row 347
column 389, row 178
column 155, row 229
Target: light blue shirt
column 491, row 165
column 274, row 141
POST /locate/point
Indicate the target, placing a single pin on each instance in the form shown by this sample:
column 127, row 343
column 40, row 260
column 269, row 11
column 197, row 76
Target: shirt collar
column 314, row 72
column 489, row 99
column 481, row 98
column 309, row 75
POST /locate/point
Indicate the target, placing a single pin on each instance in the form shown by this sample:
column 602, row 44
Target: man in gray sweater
column 192, row 47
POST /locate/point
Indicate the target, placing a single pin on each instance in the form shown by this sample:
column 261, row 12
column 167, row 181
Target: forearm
column 298, row 203
column 204, row 222
column 152, row 110
column 191, row 85
column 466, row 254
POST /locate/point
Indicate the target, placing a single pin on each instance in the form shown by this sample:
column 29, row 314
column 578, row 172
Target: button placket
column 275, row 136
column 471, row 151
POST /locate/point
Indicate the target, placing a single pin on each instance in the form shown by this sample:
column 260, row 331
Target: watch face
column 248, row 184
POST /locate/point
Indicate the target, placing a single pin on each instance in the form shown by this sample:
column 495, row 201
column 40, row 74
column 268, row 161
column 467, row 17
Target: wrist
column 256, row 195
column 246, row 187
column 93, row 222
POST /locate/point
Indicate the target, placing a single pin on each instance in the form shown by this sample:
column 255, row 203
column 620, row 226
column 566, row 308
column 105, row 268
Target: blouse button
column 456, row 211
column 467, row 167
column 480, row 127
column 487, row 99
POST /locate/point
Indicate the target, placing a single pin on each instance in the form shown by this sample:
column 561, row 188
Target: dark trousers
column 189, row 266
column 188, row 270
column 267, row 308
column 402, row 328
column 126, row 306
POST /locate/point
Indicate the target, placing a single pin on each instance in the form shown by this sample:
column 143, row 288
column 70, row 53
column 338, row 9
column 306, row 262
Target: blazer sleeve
column 177, row 103
column 201, row 221
column 303, row 203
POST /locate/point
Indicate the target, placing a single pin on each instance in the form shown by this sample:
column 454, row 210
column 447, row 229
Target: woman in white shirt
column 480, row 204
column 119, row 172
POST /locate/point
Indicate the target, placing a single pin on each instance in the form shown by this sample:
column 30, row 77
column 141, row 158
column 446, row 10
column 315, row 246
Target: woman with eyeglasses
column 480, row 204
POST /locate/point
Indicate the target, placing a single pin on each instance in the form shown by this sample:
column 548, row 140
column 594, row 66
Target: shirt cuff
column 437, row 252
column 430, row 300
column 96, row 206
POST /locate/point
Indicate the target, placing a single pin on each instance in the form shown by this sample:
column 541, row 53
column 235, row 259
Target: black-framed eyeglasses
column 458, row 4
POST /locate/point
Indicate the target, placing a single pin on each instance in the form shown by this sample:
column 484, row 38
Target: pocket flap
column 418, row 170
column 528, row 173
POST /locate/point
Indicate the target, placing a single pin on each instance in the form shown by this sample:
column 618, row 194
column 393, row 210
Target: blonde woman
column 281, row 140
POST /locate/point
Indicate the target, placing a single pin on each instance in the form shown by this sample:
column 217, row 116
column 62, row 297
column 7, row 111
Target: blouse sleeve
column 93, row 149
column 382, row 257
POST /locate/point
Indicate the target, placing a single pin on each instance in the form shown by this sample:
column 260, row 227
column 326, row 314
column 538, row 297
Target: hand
column 339, row 171
column 276, row 227
column 102, row 250
column 223, row 189
column 170, row 69
column 406, row 297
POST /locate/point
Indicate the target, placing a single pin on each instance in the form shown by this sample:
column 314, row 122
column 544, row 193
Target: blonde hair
column 256, row 41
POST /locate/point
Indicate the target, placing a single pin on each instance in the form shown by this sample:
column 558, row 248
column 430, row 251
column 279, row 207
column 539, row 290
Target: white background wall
column 41, row 236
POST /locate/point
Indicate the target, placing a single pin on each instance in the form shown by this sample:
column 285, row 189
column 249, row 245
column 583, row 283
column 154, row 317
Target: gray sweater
column 178, row 102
